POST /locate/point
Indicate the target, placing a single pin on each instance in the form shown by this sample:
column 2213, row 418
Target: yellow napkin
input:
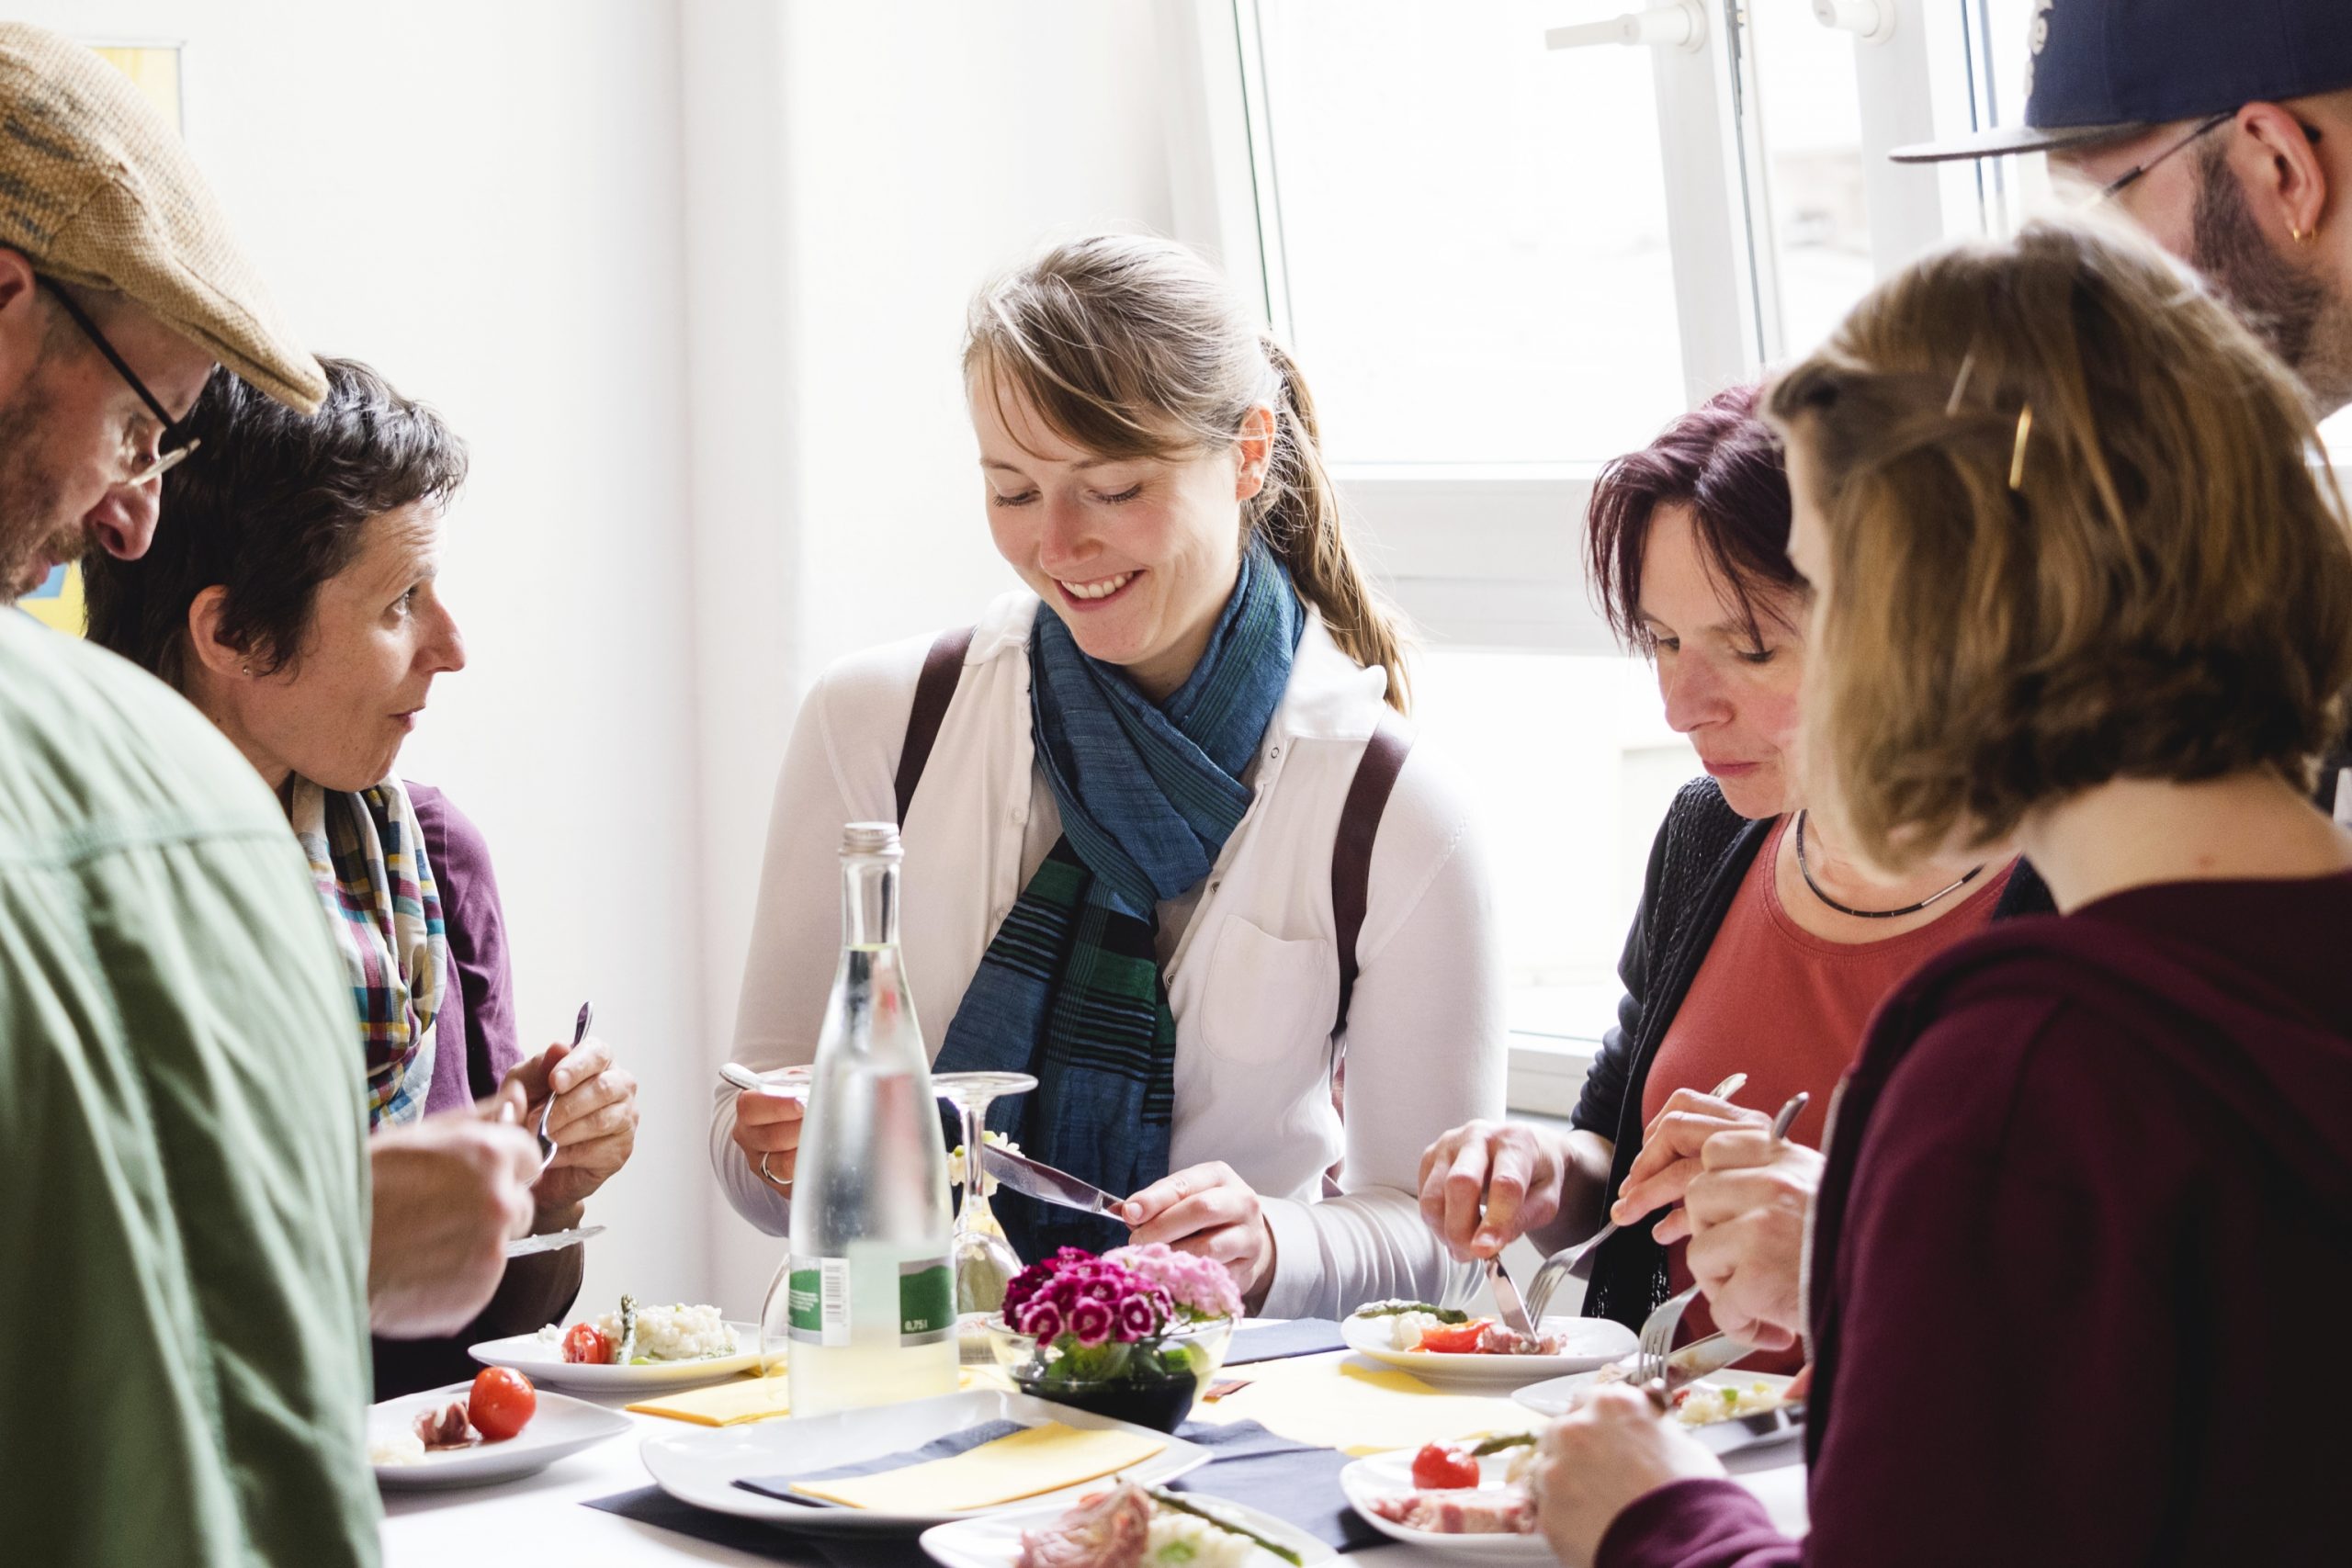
column 1336, row 1403
column 750, row 1398
column 755, row 1398
column 1034, row 1459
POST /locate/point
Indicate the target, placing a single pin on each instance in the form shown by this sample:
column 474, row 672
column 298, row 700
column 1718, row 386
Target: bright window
column 1474, row 232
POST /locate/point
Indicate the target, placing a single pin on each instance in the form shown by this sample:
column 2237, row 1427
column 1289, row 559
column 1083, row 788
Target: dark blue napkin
column 1296, row 1483
column 651, row 1506
column 1279, row 1342
column 780, row 1486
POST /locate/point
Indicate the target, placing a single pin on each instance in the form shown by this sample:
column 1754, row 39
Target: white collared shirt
column 1253, row 972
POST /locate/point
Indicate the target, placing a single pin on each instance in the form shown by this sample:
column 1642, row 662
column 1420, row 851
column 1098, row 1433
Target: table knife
column 1507, row 1299
column 1044, row 1183
column 554, row 1241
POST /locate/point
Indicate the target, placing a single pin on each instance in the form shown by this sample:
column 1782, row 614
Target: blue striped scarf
column 1071, row 989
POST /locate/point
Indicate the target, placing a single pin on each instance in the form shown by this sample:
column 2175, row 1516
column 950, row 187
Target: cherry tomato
column 1439, row 1469
column 501, row 1403
column 586, row 1342
column 1454, row 1338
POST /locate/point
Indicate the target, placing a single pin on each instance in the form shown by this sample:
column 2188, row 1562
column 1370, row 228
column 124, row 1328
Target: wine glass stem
column 974, row 1129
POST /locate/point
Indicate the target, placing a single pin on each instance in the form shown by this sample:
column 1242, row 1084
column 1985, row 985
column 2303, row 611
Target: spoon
column 579, row 1032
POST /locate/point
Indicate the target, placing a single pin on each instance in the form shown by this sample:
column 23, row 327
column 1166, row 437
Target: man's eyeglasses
column 164, row 461
column 2205, row 128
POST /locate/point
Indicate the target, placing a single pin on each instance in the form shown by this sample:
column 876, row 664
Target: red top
column 1788, row 1008
column 2076, row 1252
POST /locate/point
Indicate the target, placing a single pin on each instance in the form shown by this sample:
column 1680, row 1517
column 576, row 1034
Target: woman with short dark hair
column 294, row 603
column 1762, row 943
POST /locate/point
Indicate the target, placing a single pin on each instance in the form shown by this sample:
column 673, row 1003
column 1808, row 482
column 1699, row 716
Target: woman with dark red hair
column 1760, row 946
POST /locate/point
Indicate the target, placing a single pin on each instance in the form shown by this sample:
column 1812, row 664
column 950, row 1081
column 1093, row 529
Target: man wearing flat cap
column 2223, row 128
column 184, row 1184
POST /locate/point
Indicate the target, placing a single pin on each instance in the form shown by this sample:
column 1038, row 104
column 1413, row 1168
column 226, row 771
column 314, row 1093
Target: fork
column 579, row 1032
column 1577, row 1262
column 1657, row 1329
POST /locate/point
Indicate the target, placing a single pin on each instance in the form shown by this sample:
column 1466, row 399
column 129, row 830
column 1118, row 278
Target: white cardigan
column 1253, row 977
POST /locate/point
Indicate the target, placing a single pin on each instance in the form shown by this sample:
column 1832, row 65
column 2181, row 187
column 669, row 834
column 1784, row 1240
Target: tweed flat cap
column 97, row 189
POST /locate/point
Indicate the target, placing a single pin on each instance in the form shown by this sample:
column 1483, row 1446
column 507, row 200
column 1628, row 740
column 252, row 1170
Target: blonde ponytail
column 1299, row 514
column 1132, row 347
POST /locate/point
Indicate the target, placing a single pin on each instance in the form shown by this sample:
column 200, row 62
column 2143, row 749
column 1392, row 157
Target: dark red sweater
column 2085, row 1224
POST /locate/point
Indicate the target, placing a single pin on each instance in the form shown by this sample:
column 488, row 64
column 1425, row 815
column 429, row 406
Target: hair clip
column 2016, row 453
column 1959, row 383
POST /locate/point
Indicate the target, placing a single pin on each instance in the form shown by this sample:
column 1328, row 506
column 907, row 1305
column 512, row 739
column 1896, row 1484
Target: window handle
column 1675, row 24
column 1872, row 21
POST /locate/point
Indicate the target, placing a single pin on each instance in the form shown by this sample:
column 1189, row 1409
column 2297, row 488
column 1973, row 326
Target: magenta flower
column 1138, row 1319
column 1042, row 1319
column 1091, row 1321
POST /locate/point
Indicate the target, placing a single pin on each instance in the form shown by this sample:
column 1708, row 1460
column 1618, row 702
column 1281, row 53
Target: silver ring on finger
column 781, row 1183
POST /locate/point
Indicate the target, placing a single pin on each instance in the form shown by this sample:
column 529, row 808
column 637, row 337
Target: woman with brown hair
column 1125, row 860
column 2079, row 587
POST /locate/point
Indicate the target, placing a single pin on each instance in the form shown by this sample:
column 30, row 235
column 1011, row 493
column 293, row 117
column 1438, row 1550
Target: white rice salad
column 673, row 1333
column 678, row 1333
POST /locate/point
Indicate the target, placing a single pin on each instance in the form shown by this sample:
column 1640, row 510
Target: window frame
column 1718, row 204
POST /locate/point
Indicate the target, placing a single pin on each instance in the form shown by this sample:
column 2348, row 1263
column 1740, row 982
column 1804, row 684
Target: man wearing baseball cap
column 2224, row 128
column 184, row 1188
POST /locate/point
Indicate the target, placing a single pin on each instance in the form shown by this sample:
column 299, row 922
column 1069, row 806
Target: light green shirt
column 184, row 1370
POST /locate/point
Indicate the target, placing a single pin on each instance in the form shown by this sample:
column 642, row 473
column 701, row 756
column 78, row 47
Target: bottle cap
column 870, row 838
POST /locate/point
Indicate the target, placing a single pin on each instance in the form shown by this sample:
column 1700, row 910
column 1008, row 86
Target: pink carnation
column 1200, row 1285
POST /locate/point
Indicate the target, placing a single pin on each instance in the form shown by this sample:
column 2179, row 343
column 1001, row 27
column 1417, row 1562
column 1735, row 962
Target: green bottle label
column 817, row 1297
column 926, row 1301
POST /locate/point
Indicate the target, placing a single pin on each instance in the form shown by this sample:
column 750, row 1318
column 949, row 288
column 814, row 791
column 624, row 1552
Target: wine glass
column 789, row 1083
column 984, row 1261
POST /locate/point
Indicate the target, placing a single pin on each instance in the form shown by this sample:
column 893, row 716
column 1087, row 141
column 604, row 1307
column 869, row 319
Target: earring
column 2303, row 236
column 246, row 668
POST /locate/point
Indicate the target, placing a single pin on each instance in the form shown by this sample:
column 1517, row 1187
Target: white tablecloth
column 542, row 1518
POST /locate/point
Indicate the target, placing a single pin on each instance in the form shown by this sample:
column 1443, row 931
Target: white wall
column 689, row 276
column 483, row 200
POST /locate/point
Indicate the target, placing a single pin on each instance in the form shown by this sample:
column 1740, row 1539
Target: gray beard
column 2299, row 315
column 33, row 525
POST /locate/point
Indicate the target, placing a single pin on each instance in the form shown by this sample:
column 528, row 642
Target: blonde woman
column 1147, row 859
column 2079, row 587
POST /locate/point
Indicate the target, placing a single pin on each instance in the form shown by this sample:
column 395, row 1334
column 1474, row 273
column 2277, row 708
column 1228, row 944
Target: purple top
column 476, row 1047
column 2081, row 1233
column 476, row 1044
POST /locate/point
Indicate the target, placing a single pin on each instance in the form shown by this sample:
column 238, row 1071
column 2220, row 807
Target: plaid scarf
column 366, row 857
column 1070, row 989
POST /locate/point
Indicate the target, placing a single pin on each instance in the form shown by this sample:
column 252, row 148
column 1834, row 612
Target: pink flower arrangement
column 1090, row 1299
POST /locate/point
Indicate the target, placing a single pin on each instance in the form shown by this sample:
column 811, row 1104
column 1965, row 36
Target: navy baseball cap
column 2102, row 69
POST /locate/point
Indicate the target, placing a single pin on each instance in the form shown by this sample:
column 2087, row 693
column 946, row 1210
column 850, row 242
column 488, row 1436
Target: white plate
column 1592, row 1342
column 1559, row 1395
column 542, row 1361
column 993, row 1540
column 560, row 1426
column 702, row 1466
column 1384, row 1475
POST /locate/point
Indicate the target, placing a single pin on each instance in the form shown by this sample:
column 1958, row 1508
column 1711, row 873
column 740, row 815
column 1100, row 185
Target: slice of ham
column 1109, row 1530
column 1497, row 1340
column 1480, row 1511
column 445, row 1427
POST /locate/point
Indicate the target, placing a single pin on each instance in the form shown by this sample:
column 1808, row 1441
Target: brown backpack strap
column 943, row 668
column 1383, row 759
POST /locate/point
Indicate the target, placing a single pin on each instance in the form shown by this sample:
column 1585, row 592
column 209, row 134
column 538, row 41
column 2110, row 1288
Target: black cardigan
column 1702, row 853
